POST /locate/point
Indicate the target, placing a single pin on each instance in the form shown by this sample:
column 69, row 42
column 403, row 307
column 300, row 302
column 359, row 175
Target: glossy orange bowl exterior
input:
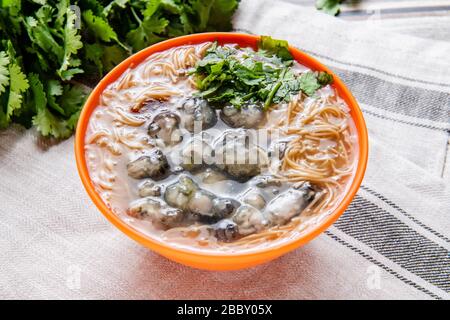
column 217, row 261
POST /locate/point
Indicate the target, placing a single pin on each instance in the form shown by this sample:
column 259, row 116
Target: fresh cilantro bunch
column 113, row 29
column 239, row 76
column 38, row 58
column 53, row 51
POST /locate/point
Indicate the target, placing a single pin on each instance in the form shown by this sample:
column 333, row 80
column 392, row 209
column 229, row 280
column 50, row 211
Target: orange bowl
column 207, row 260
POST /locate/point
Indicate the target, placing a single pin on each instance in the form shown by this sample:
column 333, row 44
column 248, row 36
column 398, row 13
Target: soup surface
column 221, row 148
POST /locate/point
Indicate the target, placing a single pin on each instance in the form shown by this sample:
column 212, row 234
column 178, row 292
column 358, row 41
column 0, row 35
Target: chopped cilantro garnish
column 239, row 75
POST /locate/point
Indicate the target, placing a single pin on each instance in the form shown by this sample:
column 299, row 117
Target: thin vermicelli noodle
column 320, row 146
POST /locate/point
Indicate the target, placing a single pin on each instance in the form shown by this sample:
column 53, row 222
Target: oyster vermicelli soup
column 221, row 148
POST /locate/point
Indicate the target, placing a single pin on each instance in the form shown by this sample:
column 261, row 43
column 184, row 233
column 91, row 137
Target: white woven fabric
column 393, row 241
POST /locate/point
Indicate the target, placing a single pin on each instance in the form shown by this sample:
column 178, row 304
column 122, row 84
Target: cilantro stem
column 274, row 90
column 248, row 96
column 136, row 16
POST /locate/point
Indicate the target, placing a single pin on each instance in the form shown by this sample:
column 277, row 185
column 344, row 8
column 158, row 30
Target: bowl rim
column 168, row 250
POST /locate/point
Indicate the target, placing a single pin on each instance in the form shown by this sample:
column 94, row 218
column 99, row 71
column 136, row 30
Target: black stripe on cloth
column 381, row 265
column 414, row 102
column 446, row 155
column 390, row 237
column 427, row 126
column 381, row 71
column 406, row 214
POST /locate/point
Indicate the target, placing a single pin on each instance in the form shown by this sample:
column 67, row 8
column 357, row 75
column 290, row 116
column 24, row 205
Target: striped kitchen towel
column 392, row 242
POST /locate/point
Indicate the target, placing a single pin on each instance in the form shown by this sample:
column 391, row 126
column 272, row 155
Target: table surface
column 423, row 18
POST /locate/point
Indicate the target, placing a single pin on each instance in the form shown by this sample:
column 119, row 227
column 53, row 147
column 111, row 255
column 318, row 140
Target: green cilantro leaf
column 4, row 71
column 220, row 14
column 115, row 3
column 72, row 98
column 49, row 125
column 53, row 90
column 112, row 55
column 45, row 122
column 42, row 38
column 151, row 8
column 331, row 7
column 309, row 83
column 276, row 47
column 324, row 78
column 18, row 85
column 94, row 52
column 101, row 28
column 147, row 32
column 72, row 43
